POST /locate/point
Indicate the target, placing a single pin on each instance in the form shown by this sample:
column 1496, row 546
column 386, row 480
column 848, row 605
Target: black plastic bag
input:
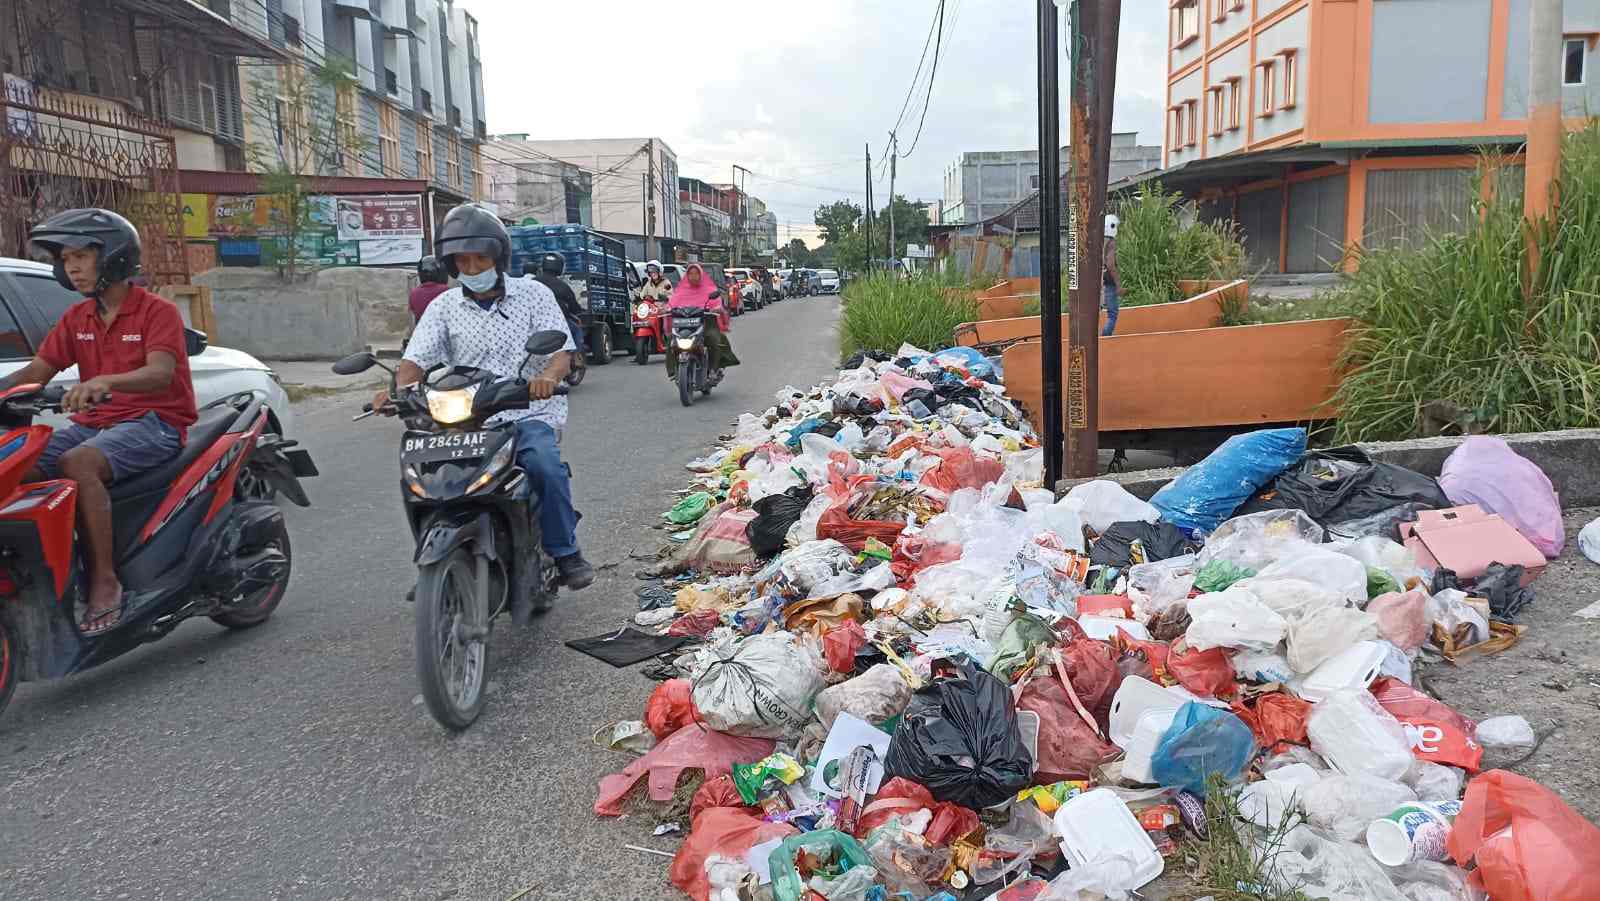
column 1161, row 541
column 959, row 738
column 1502, row 585
column 775, row 513
column 1342, row 485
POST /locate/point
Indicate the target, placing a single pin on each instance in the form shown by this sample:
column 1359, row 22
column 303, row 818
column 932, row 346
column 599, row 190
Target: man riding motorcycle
column 485, row 323
column 656, row 287
column 432, row 282
column 134, row 399
column 551, row 266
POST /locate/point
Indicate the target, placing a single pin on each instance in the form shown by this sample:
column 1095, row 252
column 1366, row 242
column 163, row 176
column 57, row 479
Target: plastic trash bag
column 1402, row 618
column 1317, row 866
column 1428, row 880
column 1018, row 641
column 1346, row 805
column 1233, row 619
column 1211, row 490
column 1274, row 717
column 1438, row 734
column 1318, row 636
column 1292, row 599
column 878, row 695
column 670, row 708
column 1103, row 503
column 1262, row 666
column 761, row 687
column 1485, row 471
column 1219, row 575
column 840, row 644
column 1202, row 741
column 1255, row 540
column 1528, row 844
column 1160, row 584
column 1268, row 804
column 1506, row 733
column 691, row 748
column 1345, row 576
column 1070, row 745
column 1338, row 486
column 1393, row 558
column 775, row 515
column 1207, row 673
column 1435, row 783
column 690, row 509
column 959, row 738
column 1157, row 541
column 726, row 832
column 1358, row 737
column 961, row 468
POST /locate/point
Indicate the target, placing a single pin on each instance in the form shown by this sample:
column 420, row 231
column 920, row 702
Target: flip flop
column 100, row 623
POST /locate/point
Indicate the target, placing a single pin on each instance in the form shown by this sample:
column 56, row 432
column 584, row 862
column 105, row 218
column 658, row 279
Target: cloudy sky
column 792, row 91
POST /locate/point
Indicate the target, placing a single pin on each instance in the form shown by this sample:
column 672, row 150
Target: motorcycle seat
column 211, row 425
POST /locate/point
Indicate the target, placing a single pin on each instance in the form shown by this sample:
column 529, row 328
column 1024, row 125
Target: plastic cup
column 1412, row 832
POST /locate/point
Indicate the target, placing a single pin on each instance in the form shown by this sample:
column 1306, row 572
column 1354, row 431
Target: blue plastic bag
column 1209, row 491
column 1202, row 740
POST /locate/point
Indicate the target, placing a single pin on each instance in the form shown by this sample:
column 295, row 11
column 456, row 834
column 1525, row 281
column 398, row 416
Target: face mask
column 482, row 283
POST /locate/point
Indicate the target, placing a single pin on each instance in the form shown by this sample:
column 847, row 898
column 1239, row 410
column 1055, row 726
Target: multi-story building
column 1321, row 124
column 705, row 214
column 634, row 181
column 987, row 183
column 525, row 185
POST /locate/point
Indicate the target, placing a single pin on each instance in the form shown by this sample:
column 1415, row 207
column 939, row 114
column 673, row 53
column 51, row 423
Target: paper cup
column 1412, row 832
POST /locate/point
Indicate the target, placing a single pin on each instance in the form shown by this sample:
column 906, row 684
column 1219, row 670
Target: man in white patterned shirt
column 485, row 323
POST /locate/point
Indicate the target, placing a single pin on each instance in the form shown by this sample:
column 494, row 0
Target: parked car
column 673, row 271
column 719, row 277
column 827, row 281
column 31, row 300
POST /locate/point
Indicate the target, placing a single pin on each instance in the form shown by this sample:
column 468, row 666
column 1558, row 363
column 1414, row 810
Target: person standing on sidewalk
column 1111, row 294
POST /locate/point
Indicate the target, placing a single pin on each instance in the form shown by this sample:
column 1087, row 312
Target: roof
column 221, row 36
column 203, row 181
column 12, row 264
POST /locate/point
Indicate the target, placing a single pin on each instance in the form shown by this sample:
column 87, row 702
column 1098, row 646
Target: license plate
column 445, row 446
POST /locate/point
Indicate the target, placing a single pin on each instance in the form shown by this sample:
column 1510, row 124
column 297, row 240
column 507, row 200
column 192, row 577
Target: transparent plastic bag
column 1233, row 619
column 1345, row 576
column 1435, row 782
column 1103, row 503
column 1256, row 540
column 1377, row 552
column 1428, row 880
column 1358, row 737
column 1321, row 634
column 1346, row 805
column 1316, row 865
column 1268, row 803
column 1291, row 598
column 1156, row 586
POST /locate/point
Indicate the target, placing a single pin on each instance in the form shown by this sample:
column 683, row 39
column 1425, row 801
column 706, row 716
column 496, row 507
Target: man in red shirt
column 434, row 283
column 134, row 399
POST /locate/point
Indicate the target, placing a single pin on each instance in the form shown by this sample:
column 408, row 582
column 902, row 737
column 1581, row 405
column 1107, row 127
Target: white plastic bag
column 1323, row 633
column 1155, row 586
column 1346, row 805
column 1344, row 576
column 1378, row 552
column 1358, row 737
column 1449, row 609
column 1257, row 539
column 1233, row 619
column 1262, row 666
column 1105, row 503
column 1427, row 880
column 1589, row 541
column 1506, row 733
column 1436, row 782
column 1291, row 598
column 1319, row 867
column 761, row 687
column 877, row 696
column 1268, row 803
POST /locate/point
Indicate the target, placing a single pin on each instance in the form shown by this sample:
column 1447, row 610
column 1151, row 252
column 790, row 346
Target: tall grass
column 1156, row 248
column 1448, row 322
column 881, row 312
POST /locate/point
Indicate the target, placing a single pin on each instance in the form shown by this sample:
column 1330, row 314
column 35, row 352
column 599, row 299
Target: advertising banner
column 389, row 216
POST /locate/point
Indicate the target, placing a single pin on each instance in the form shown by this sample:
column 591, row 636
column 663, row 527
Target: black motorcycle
column 694, row 357
column 474, row 517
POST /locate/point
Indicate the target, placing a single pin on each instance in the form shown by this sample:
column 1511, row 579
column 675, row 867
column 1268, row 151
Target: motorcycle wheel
column 254, row 611
column 452, row 671
column 600, row 341
column 641, row 349
column 10, row 664
column 687, row 372
column 575, row 375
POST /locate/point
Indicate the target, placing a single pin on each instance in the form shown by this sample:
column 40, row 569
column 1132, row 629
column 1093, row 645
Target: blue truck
column 597, row 269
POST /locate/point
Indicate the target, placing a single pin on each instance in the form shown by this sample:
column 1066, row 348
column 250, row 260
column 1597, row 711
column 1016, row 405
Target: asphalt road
column 296, row 760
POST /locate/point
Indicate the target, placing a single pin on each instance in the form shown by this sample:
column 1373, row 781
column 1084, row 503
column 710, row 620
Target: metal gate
column 59, row 153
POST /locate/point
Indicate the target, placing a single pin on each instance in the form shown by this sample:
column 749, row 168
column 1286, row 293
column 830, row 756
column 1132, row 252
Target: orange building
column 1320, row 124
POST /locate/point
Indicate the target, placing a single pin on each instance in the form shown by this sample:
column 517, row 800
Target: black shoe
column 576, row 573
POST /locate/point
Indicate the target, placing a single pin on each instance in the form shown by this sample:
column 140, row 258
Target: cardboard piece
column 1466, row 540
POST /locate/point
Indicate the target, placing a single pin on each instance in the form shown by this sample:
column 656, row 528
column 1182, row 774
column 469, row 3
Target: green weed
column 882, row 312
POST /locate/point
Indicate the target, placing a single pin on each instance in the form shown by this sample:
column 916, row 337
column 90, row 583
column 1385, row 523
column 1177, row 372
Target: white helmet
column 1112, row 221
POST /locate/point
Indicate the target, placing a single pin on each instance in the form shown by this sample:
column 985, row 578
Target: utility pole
column 1545, row 66
column 867, row 222
column 894, row 154
column 1049, row 238
column 650, row 201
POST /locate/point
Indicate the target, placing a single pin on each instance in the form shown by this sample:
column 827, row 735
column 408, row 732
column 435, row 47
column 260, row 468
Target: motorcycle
column 475, row 522
column 649, row 329
column 186, row 544
column 694, row 357
column 580, row 364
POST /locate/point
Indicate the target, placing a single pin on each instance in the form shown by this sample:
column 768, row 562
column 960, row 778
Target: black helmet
column 552, row 264
column 472, row 229
column 429, row 270
column 114, row 236
column 529, row 268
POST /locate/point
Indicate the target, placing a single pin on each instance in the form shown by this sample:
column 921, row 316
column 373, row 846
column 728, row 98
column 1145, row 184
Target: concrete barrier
column 321, row 316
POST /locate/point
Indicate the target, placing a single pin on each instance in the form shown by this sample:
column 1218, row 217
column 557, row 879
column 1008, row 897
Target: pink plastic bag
column 693, row 747
column 1485, row 471
column 897, row 385
column 1402, row 618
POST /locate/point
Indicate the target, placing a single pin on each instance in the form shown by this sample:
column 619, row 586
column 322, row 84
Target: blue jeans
column 539, row 455
column 1109, row 299
column 131, row 446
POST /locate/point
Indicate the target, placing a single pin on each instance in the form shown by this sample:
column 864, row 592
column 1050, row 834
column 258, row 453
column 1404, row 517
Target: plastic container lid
column 1136, row 697
column 1354, row 667
column 1102, row 628
column 1096, row 825
column 1141, row 750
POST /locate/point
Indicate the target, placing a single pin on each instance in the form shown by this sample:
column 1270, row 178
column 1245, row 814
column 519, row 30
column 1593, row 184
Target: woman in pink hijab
column 694, row 293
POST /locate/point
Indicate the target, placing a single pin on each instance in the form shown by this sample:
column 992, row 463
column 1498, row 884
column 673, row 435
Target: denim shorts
column 132, row 447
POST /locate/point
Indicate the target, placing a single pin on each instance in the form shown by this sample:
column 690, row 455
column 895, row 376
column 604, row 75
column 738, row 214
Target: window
column 452, row 162
column 1235, row 101
column 1176, row 128
column 1574, row 56
column 388, row 139
column 1214, row 99
column 1291, row 78
column 391, row 83
column 346, row 131
column 480, row 185
column 1219, row 10
column 425, row 150
column 1185, row 22
column 1267, row 85
column 13, row 343
column 425, row 100
column 291, row 31
column 1033, row 182
column 1236, row 6
column 1191, row 113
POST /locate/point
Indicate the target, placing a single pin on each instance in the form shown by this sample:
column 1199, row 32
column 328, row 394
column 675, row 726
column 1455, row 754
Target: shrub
column 1156, row 249
column 881, row 312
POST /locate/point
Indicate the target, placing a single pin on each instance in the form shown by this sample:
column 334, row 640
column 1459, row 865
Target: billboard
column 375, row 230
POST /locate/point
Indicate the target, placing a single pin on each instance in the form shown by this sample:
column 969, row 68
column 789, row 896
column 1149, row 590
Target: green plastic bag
column 839, row 853
column 1219, row 575
column 1380, row 583
column 1018, row 643
column 690, row 509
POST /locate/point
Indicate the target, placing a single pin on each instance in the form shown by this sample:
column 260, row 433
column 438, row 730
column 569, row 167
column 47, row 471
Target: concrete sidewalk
column 307, row 379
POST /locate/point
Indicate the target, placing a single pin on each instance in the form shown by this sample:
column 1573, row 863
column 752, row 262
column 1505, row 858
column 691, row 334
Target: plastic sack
column 1258, row 539
column 1161, row 584
column 1529, row 845
column 1207, row 673
column 690, row 748
column 1358, row 737
column 1485, row 471
column 1202, row 741
column 775, row 515
column 1320, row 867
column 1274, row 717
column 1103, row 503
column 728, row 832
column 1346, row 805
column 1345, row 576
column 1321, row 634
column 690, row 509
column 1070, row 744
column 1438, row 734
column 1589, row 541
column 1402, row 618
column 878, row 695
column 961, row 468
column 1336, row 487
column 670, row 708
column 719, row 544
column 1208, row 492
column 1233, row 619
column 959, row 738
column 1506, row 733
column 718, row 792
column 761, row 687
column 840, row 644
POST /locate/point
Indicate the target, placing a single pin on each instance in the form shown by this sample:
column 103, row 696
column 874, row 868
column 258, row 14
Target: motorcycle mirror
column 716, row 295
column 194, row 342
column 358, row 362
column 546, row 342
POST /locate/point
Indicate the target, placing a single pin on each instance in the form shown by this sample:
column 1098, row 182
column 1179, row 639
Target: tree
column 797, row 254
column 308, row 120
column 910, row 226
column 837, row 219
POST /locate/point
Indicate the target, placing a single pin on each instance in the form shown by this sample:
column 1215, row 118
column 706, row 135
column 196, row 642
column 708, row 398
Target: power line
column 917, row 76
column 932, row 73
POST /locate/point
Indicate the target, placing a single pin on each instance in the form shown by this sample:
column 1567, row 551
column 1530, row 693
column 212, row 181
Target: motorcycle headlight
column 685, row 343
column 451, row 407
column 497, row 464
column 642, row 311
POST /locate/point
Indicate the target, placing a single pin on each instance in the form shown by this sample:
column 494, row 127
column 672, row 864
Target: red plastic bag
column 690, row 748
column 1070, row 745
column 960, row 467
column 1275, row 717
column 1529, row 845
column 1438, row 733
column 836, row 522
column 839, row 646
column 896, row 797
column 725, row 831
column 1092, row 667
column 1105, row 605
column 1207, row 673
column 696, row 623
column 950, row 822
column 1147, row 659
column 914, row 553
column 670, row 708
column 719, row 792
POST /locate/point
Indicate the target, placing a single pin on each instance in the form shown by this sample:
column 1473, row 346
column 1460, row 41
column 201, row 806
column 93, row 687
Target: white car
column 31, row 300
column 827, row 281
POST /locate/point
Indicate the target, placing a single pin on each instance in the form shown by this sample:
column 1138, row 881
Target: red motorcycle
column 186, row 545
column 651, row 325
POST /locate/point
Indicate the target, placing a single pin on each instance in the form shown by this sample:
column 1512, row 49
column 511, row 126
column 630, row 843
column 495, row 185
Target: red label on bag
column 1438, row 742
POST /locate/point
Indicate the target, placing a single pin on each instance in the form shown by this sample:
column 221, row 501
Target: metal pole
column 867, row 220
column 650, row 202
column 1050, row 238
column 1545, row 69
column 894, row 154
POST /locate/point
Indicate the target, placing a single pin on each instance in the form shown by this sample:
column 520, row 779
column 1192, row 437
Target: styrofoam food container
column 1354, row 667
column 1134, row 698
column 1141, row 750
column 1096, row 825
column 1102, row 628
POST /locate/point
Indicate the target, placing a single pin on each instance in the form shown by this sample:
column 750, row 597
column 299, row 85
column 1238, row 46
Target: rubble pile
column 895, row 666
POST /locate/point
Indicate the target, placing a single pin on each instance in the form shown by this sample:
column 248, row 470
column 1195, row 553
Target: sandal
column 99, row 623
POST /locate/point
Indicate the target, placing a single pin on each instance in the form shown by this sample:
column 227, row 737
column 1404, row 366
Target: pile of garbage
column 894, row 666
